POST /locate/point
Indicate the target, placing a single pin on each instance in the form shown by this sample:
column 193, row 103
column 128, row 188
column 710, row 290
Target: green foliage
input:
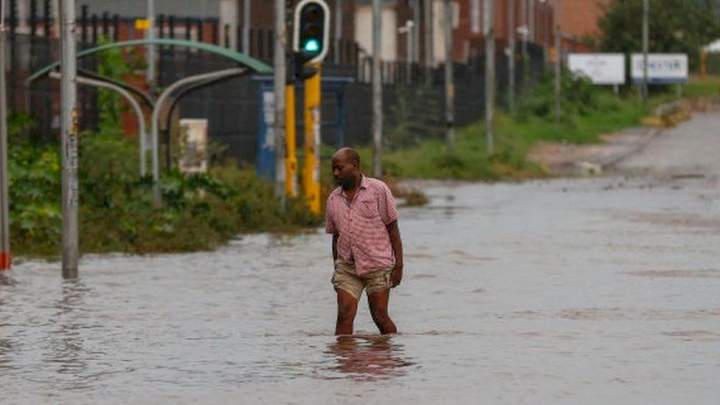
column 579, row 98
column 675, row 26
column 34, row 182
column 116, row 208
column 112, row 65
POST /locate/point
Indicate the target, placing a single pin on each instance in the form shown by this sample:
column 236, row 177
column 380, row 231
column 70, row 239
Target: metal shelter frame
column 249, row 65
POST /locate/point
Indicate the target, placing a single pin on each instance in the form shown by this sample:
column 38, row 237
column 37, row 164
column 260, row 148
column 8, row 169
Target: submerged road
column 578, row 291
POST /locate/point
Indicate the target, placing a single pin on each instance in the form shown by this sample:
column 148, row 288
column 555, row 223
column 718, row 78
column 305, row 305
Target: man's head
column 346, row 168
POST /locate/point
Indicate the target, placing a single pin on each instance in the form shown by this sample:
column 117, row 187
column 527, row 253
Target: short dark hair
column 353, row 156
column 348, row 154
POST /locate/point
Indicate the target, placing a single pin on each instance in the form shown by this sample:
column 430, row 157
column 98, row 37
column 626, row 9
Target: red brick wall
column 543, row 22
column 580, row 17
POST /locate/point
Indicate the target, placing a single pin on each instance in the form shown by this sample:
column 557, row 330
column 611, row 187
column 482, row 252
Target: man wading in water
column 366, row 245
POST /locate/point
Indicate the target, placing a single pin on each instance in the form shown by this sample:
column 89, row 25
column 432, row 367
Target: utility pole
column 247, row 9
column 416, row 30
column 429, row 40
column 531, row 20
column 558, row 59
column 449, row 83
column 646, row 46
column 5, row 257
column 511, row 55
column 525, row 12
column 69, row 135
column 489, row 25
column 409, row 36
column 151, row 75
column 279, row 87
column 338, row 29
column 377, row 122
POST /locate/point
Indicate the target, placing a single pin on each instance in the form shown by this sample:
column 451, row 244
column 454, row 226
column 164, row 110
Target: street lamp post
column 377, row 122
column 489, row 25
column 646, row 46
column 69, row 135
column 449, row 83
column 511, row 55
column 151, row 48
column 558, row 59
column 279, row 88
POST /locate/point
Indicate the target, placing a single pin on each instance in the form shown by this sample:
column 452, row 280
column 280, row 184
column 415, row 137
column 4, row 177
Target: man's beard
column 347, row 183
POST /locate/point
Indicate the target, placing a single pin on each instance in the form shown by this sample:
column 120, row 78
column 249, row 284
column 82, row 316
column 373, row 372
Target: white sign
column 663, row 68
column 193, row 145
column 600, row 68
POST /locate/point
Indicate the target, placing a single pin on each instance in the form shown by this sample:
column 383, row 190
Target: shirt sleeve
column 329, row 223
column 386, row 206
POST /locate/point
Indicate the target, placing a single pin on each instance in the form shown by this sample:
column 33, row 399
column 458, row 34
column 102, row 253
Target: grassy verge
column 708, row 86
column 588, row 114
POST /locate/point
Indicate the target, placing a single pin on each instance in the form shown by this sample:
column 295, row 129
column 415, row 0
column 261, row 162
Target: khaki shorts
column 344, row 278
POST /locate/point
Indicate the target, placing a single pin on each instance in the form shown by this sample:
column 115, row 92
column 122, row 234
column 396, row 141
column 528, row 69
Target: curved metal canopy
column 244, row 60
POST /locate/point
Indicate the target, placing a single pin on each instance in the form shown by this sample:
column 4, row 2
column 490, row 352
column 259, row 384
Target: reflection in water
column 366, row 358
column 6, row 280
column 66, row 341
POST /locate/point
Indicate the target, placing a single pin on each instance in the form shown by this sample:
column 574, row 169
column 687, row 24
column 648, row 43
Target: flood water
column 585, row 291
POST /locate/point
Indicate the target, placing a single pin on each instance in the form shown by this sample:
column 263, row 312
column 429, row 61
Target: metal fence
column 414, row 96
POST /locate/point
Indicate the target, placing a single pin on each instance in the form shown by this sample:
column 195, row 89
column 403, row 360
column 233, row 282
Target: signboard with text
column 600, row 68
column 663, row 68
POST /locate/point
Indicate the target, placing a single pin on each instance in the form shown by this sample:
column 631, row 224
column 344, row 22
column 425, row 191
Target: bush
column 116, row 208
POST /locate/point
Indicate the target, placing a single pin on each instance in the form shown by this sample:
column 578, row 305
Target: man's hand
column 396, row 275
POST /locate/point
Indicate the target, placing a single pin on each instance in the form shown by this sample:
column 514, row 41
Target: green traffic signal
column 312, row 45
column 311, row 30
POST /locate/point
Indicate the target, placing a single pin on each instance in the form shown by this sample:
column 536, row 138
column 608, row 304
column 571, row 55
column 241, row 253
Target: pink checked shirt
column 363, row 238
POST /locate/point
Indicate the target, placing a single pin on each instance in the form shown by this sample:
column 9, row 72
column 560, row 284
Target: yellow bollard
column 290, row 142
column 311, row 167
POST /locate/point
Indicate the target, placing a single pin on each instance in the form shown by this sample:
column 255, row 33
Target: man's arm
column 334, row 247
column 396, row 243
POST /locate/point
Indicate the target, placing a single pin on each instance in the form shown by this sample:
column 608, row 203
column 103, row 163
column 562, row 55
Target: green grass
column 514, row 138
column 699, row 87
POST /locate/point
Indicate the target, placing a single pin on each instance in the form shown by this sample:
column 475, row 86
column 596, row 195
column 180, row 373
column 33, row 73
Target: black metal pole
column 33, row 18
column 46, row 18
column 94, row 20
column 116, row 27
column 83, row 24
column 106, row 25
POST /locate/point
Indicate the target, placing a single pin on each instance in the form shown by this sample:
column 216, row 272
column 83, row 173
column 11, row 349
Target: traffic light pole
column 310, row 43
column 311, row 168
column 290, row 142
column 291, row 185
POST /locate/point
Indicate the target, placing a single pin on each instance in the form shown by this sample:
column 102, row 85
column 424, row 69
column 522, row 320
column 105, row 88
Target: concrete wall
column 363, row 31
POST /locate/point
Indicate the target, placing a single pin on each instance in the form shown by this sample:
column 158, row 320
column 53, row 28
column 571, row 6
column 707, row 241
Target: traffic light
column 312, row 30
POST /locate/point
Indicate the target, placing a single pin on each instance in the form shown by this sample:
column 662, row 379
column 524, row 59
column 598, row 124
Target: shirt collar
column 363, row 182
column 363, row 186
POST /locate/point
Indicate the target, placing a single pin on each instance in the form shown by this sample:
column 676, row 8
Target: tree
column 680, row 26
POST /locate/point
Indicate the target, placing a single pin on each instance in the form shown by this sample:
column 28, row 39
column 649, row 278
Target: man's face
column 344, row 171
